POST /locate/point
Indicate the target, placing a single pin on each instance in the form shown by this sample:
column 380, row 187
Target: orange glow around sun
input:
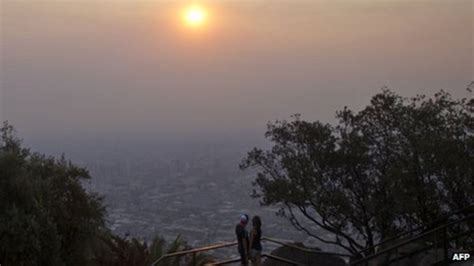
column 195, row 16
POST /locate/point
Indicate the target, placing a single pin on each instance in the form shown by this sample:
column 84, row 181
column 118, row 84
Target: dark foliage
column 113, row 250
column 46, row 216
column 396, row 165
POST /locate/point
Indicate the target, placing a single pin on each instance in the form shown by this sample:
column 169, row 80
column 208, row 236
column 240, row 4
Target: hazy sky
column 132, row 69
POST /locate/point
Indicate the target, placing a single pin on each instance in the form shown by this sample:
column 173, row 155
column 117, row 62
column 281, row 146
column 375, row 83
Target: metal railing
column 444, row 240
column 442, row 229
column 265, row 255
column 195, row 251
column 418, row 230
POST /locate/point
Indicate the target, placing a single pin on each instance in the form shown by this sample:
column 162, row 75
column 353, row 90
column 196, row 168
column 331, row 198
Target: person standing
column 243, row 239
column 255, row 241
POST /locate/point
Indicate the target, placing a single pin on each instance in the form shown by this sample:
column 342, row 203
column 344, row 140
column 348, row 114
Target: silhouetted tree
column 397, row 164
column 46, row 216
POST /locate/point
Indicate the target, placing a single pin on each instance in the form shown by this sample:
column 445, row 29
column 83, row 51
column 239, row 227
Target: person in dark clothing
column 243, row 239
column 255, row 241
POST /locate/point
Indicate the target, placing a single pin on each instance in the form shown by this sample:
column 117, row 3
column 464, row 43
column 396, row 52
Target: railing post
column 194, row 258
column 445, row 241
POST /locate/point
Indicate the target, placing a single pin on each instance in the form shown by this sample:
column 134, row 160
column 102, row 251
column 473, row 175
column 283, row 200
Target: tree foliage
column 113, row 250
column 398, row 164
column 46, row 216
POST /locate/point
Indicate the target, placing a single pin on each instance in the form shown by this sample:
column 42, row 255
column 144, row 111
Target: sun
column 195, row 16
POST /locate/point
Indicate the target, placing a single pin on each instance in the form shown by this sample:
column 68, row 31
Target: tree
column 46, row 216
column 396, row 165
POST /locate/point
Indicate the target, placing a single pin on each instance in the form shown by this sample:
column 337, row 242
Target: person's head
column 256, row 222
column 244, row 219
